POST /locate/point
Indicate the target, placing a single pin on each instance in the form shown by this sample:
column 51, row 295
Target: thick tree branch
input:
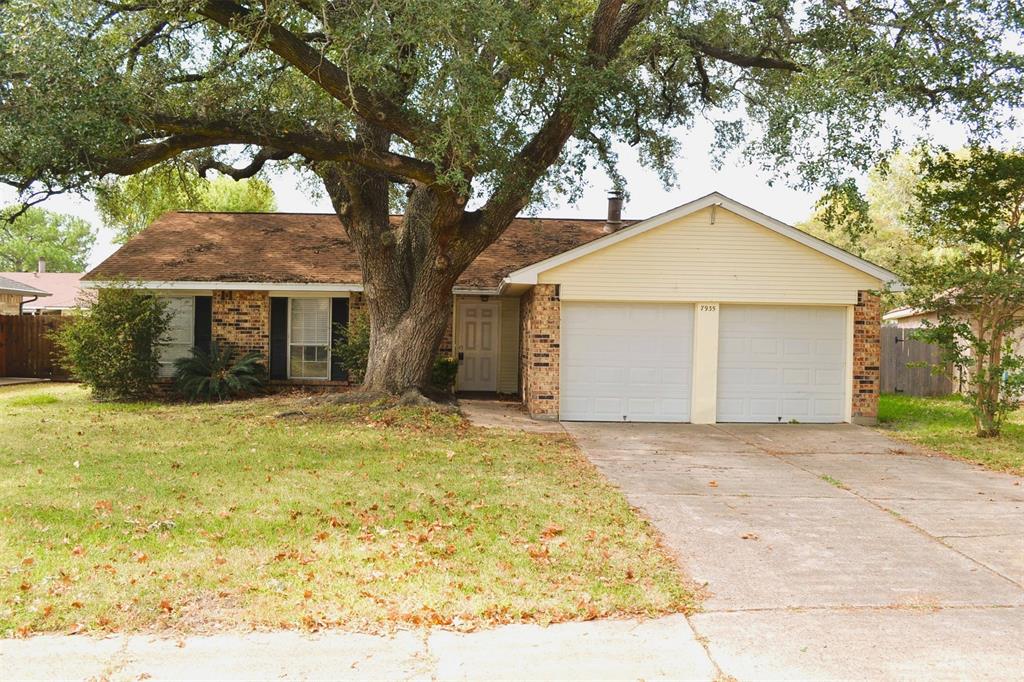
column 739, row 59
column 255, row 166
column 314, row 65
column 309, row 144
column 610, row 27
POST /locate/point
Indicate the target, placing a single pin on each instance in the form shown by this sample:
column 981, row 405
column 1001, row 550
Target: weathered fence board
column 26, row 349
column 900, row 350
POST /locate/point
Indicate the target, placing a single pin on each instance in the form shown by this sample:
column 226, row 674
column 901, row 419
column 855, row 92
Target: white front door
column 478, row 347
column 626, row 362
column 781, row 364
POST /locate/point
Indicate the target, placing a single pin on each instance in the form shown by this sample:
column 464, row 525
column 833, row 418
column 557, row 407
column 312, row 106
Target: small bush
column 218, row 375
column 113, row 347
column 443, row 374
column 354, row 351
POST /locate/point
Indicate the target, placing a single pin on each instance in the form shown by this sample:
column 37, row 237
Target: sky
column 696, row 176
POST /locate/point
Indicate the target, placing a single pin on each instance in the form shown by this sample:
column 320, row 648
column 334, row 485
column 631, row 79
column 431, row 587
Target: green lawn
column 147, row 516
column 946, row 425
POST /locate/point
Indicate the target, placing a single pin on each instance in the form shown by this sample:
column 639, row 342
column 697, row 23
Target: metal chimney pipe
column 41, row 266
column 614, row 219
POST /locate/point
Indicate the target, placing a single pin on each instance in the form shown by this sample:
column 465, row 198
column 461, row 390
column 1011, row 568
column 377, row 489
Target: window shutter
column 339, row 321
column 278, row 338
column 202, row 330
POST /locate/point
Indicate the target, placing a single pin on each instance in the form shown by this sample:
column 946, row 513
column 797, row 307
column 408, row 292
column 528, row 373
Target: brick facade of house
column 539, row 349
column 867, row 356
column 241, row 319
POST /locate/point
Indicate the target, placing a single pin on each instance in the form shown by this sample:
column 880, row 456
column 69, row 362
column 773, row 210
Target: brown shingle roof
column 307, row 248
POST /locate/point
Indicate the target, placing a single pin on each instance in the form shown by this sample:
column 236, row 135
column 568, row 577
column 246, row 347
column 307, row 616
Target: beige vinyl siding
column 733, row 260
column 508, row 359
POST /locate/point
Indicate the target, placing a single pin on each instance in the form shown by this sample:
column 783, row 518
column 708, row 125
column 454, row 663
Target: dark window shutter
column 339, row 321
column 278, row 338
column 203, row 329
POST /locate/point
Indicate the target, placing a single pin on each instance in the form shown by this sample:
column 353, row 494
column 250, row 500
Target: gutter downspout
column 21, row 306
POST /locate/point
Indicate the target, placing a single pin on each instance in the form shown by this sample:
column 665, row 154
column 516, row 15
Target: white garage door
column 781, row 363
column 626, row 362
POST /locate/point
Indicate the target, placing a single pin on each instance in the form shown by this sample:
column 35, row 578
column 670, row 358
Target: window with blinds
column 309, row 338
column 177, row 343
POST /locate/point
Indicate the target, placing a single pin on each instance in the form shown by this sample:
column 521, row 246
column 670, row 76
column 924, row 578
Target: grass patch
column 833, row 481
column 30, row 399
column 195, row 517
column 946, row 425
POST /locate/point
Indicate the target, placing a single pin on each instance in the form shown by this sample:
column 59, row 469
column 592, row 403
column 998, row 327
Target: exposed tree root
column 432, row 398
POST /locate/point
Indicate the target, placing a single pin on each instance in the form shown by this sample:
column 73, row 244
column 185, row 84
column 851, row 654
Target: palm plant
column 216, row 374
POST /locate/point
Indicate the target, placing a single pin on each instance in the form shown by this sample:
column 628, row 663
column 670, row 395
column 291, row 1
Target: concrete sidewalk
column 665, row 648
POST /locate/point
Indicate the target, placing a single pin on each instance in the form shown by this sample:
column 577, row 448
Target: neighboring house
column 909, row 318
column 62, row 289
column 14, row 294
column 709, row 312
column 914, row 318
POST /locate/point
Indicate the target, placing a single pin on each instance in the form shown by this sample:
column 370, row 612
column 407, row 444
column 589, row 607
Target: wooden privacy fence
column 900, row 350
column 26, row 349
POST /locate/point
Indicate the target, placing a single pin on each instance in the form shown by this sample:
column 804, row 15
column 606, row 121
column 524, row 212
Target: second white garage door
column 781, row 363
column 626, row 362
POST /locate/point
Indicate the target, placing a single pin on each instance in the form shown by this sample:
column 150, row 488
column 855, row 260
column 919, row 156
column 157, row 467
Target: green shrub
column 354, row 351
column 113, row 347
column 442, row 376
column 218, row 375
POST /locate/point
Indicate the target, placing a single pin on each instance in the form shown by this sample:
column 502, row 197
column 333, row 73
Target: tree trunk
column 403, row 349
column 409, row 266
column 987, row 386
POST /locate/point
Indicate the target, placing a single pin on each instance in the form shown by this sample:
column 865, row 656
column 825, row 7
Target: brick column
column 867, row 357
column 540, row 325
column 241, row 319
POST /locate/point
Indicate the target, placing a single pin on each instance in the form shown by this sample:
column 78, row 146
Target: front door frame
column 483, row 302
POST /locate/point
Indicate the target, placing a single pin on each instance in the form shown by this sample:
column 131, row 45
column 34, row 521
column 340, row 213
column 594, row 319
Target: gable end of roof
column 528, row 275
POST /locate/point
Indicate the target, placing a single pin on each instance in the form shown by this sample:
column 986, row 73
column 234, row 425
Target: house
column 709, row 312
column 13, row 295
column 63, row 292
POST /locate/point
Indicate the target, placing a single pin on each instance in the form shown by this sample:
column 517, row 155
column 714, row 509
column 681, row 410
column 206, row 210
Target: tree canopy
column 127, row 205
column 64, row 241
column 477, row 108
column 471, row 90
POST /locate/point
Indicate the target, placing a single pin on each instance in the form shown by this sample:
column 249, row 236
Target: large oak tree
column 474, row 109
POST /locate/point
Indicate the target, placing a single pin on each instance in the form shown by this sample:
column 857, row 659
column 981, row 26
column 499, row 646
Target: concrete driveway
column 831, row 551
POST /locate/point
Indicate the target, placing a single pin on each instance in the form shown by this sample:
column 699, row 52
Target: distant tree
column 127, row 205
column 64, row 241
column 883, row 237
column 971, row 206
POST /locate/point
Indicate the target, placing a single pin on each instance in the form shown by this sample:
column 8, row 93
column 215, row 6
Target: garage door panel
column 642, row 354
column 829, row 377
column 796, row 377
column 781, row 363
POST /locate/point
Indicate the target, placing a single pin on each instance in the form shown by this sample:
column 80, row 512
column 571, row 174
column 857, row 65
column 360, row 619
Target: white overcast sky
column 696, row 177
